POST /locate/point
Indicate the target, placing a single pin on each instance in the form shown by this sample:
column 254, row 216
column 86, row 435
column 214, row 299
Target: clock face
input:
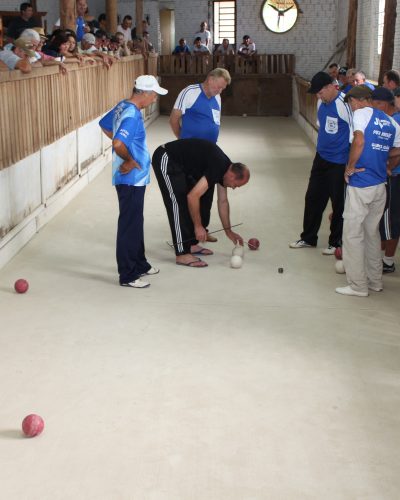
column 279, row 16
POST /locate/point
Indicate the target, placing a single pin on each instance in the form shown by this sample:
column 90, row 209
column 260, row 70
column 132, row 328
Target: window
column 224, row 21
column 381, row 23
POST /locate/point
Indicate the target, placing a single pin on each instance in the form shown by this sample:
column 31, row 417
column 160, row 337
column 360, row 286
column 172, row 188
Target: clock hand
column 273, row 6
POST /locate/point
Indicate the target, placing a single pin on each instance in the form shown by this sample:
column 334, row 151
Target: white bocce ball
column 339, row 267
column 238, row 250
column 236, row 261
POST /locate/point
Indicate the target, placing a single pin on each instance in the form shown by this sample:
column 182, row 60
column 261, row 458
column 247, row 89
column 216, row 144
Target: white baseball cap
column 89, row 38
column 149, row 83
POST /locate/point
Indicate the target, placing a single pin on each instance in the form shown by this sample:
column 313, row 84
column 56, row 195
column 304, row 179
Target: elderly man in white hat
column 130, row 175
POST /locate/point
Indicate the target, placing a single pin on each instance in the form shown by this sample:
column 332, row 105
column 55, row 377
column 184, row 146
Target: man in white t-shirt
column 247, row 48
column 204, row 35
column 126, row 28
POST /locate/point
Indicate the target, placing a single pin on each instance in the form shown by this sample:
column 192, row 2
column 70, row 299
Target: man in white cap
column 18, row 56
column 130, row 175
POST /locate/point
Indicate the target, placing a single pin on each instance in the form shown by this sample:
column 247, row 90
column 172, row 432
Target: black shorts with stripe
column 389, row 226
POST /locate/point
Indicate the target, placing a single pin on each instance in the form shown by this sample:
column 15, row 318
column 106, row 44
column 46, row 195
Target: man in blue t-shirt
column 376, row 140
column 326, row 179
column 130, row 175
column 197, row 114
column 389, row 227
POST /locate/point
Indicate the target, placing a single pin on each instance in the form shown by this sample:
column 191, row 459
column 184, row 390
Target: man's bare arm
column 175, row 122
column 223, row 211
column 355, row 153
column 193, row 199
column 122, row 151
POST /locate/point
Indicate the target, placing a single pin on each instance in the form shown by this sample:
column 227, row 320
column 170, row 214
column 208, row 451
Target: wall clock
column 279, row 16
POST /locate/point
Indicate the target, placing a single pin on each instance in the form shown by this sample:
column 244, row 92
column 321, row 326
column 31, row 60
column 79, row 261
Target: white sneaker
column 300, row 244
column 151, row 271
column 347, row 290
column 136, row 284
column 375, row 288
column 329, row 251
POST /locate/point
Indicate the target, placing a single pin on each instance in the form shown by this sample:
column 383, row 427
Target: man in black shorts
column 187, row 171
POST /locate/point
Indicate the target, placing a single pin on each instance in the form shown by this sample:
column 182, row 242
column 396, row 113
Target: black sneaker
column 388, row 269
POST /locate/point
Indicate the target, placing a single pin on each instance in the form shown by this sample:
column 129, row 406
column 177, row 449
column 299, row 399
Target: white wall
column 36, row 188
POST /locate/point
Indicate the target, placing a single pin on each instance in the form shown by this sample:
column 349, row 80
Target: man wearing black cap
column 389, row 227
column 375, row 144
column 327, row 173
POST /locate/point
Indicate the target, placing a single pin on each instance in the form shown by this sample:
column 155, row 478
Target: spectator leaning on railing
column 199, row 48
column 181, row 48
column 18, row 56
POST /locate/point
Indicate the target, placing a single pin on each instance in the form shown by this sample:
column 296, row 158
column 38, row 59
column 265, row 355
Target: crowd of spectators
column 202, row 45
column 28, row 46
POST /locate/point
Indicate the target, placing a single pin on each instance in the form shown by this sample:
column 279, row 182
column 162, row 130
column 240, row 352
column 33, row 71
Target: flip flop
column 203, row 251
column 191, row 263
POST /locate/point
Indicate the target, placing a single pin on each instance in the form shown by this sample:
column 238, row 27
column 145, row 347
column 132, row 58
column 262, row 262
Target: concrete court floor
column 212, row 384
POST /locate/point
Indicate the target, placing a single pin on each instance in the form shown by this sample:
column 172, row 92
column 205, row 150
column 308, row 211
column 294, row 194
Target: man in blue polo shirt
column 383, row 99
column 197, row 115
column 376, row 140
column 130, row 175
column 327, row 173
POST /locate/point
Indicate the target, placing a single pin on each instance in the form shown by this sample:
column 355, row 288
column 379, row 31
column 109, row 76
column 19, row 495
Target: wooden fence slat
column 45, row 105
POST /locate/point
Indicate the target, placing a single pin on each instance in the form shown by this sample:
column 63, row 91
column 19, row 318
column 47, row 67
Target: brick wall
column 312, row 40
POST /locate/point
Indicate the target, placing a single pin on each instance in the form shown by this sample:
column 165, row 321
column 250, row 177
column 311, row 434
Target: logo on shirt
column 331, row 125
column 381, row 123
column 217, row 116
column 124, row 133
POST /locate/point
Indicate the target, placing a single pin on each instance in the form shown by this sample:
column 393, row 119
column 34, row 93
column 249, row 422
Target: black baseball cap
column 318, row 81
column 382, row 94
column 343, row 70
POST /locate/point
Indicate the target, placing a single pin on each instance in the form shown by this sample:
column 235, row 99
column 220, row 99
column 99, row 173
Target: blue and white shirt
column 396, row 118
column 335, row 130
column 125, row 121
column 381, row 133
column 201, row 116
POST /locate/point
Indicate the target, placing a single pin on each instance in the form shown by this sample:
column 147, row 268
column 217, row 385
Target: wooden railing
column 38, row 108
column 260, row 64
column 307, row 102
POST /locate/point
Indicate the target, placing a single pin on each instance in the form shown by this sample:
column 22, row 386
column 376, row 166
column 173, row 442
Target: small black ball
column 280, row 270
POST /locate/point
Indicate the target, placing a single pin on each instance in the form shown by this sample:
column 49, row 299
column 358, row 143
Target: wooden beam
column 352, row 34
column 67, row 14
column 389, row 31
column 111, row 16
column 139, row 18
